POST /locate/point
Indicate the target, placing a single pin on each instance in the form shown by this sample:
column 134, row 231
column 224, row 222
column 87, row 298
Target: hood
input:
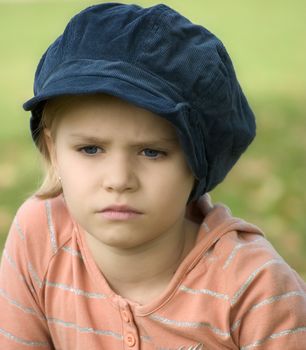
column 217, row 220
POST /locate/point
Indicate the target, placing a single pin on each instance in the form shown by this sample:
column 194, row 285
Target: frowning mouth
column 120, row 212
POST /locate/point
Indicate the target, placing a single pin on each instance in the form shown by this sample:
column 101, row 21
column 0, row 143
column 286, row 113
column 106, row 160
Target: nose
column 119, row 174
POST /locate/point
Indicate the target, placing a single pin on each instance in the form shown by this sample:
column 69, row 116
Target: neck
column 142, row 273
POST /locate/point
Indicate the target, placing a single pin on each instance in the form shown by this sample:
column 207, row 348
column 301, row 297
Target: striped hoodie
column 232, row 291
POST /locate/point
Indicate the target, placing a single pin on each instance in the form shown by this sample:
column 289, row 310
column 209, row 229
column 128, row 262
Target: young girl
column 138, row 115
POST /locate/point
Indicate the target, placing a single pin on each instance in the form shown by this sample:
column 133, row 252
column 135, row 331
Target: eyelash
column 160, row 153
column 84, row 150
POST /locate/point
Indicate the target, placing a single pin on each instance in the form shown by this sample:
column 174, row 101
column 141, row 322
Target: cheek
column 184, row 176
column 174, row 183
column 75, row 177
column 69, row 164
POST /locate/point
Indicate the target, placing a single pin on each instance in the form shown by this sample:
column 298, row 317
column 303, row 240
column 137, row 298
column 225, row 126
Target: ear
column 50, row 143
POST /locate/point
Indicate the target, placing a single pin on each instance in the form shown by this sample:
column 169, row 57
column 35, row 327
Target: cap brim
column 120, row 79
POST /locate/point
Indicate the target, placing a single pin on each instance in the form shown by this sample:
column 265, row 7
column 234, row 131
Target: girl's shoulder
column 44, row 222
column 39, row 231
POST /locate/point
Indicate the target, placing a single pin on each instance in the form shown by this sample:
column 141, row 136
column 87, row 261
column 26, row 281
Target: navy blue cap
column 156, row 59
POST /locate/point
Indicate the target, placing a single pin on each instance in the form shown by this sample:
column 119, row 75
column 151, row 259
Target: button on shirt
column 131, row 336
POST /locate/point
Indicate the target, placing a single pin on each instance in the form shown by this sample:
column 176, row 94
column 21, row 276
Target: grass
column 267, row 43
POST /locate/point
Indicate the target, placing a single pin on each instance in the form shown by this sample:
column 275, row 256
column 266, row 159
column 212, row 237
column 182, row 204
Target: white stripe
column 51, row 227
column 187, row 324
column 63, row 286
column 34, row 274
column 84, row 329
column 192, row 347
column 28, row 310
column 13, row 264
column 208, row 253
column 23, row 341
column 274, row 336
column 10, row 259
column 204, row 291
column 146, row 338
column 206, row 227
column 72, row 252
column 269, row 301
column 235, row 325
column 235, row 251
column 19, row 230
column 273, row 299
column 74, row 290
column 249, row 280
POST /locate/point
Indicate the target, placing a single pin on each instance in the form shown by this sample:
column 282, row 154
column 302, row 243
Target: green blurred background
column 267, row 42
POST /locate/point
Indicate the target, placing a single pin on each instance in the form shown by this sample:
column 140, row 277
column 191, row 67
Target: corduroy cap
column 156, row 59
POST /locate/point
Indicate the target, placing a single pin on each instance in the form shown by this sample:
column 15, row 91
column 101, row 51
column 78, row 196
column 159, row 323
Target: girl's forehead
column 108, row 113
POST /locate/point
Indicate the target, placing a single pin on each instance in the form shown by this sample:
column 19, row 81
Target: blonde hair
column 53, row 110
column 51, row 186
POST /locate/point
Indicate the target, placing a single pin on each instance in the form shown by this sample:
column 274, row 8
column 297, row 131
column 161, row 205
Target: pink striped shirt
column 232, row 291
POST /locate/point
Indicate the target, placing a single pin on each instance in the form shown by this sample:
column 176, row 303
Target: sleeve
column 22, row 321
column 269, row 307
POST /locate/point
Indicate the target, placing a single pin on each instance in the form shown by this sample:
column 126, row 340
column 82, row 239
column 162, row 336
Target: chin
column 118, row 240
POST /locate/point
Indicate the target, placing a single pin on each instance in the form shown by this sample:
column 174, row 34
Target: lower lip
column 119, row 215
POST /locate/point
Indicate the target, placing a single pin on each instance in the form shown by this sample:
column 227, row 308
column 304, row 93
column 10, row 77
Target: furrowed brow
column 157, row 141
column 99, row 140
column 88, row 138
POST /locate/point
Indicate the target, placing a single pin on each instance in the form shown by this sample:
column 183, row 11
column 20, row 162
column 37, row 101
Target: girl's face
column 108, row 152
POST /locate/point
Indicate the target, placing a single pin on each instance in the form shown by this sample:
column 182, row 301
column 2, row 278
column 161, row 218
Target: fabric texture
column 233, row 291
column 156, row 59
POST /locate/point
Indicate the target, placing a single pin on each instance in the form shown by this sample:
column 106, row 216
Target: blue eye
column 152, row 153
column 91, row 150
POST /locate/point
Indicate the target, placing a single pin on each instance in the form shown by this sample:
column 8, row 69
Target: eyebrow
column 97, row 140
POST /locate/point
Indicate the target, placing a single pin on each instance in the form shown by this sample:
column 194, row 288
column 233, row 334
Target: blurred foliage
column 267, row 43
